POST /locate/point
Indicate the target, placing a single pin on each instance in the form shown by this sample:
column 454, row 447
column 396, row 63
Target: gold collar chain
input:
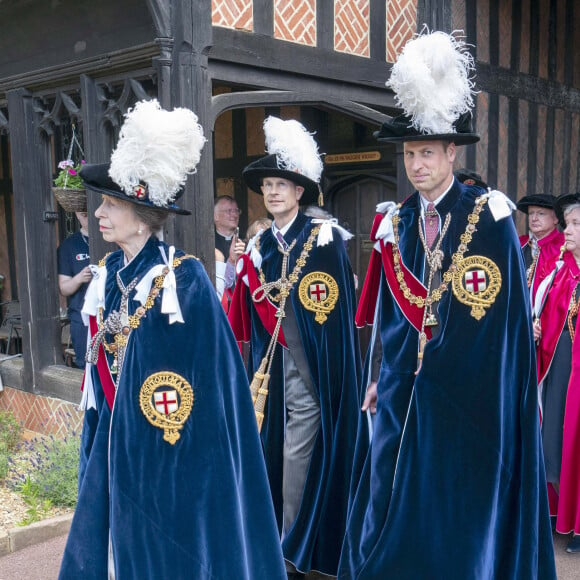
column 132, row 322
column 284, row 285
column 465, row 239
column 532, row 268
column 572, row 312
column 261, row 378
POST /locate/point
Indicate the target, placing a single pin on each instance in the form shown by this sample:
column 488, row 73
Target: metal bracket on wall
column 50, row 216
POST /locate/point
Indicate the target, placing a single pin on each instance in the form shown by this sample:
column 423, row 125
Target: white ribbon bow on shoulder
column 95, row 295
column 169, row 300
column 385, row 230
column 325, row 233
column 500, row 205
column 253, row 252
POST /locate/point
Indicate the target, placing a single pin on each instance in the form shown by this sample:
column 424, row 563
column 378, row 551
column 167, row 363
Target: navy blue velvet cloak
column 453, row 486
column 199, row 508
column 332, row 351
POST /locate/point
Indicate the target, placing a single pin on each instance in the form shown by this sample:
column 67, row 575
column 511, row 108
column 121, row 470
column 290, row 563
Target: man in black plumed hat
column 541, row 246
column 453, row 486
column 294, row 302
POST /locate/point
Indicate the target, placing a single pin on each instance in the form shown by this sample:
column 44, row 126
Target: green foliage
column 37, row 507
column 4, row 461
column 53, row 469
column 68, row 176
column 10, row 431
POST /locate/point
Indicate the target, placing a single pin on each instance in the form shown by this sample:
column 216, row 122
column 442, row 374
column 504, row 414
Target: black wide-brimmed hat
column 292, row 154
column 96, row 178
column 433, row 85
column 268, row 166
column 562, row 202
column 469, row 177
column 400, row 129
column 156, row 151
column 537, row 199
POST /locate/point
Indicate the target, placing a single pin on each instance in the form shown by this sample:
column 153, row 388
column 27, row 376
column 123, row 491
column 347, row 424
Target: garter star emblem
column 318, row 293
column 476, row 282
column 166, row 400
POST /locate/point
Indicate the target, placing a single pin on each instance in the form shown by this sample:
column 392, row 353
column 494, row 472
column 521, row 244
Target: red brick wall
column 42, row 414
column 295, row 21
column 352, row 26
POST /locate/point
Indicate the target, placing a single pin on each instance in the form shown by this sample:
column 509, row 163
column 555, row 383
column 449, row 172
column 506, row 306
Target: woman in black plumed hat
column 171, row 462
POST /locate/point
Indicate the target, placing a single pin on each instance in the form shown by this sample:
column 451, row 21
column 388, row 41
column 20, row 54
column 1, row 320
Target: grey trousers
column 302, row 426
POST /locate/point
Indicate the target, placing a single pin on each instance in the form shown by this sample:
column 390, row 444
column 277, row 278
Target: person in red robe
column 559, row 375
column 541, row 246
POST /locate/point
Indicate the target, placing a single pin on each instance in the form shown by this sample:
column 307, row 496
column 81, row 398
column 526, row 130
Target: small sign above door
column 355, row 157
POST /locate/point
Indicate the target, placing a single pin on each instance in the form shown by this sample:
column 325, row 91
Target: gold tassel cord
column 258, row 379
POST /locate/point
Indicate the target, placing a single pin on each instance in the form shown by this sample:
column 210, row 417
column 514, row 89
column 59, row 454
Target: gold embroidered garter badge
column 318, row 293
column 476, row 282
column 166, row 400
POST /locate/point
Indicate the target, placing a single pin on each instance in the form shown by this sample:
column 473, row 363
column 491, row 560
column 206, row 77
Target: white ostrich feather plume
column 294, row 146
column 158, row 148
column 431, row 81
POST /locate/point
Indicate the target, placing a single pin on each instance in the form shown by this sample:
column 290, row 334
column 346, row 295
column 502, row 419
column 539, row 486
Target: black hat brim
column 537, row 200
column 96, row 178
column 468, row 177
column 562, row 202
column 267, row 166
column 400, row 130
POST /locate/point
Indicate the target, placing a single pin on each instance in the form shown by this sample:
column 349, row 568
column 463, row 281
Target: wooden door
column 354, row 205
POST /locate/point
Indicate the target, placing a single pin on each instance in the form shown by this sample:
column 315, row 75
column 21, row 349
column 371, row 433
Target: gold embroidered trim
column 261, row 378
column 465, row 239
column 320, row 307
column 170, row 421
column 478, row 301
column 284, row 289
column 120, row 339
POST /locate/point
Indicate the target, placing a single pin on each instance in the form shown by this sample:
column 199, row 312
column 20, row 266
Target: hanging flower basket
column 71, row 199
column 69, row 190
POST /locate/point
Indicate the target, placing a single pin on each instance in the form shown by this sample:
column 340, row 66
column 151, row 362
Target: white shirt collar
column 425, row 202
column 283, row 230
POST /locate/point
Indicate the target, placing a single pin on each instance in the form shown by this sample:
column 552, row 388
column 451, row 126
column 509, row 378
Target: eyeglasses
column 231, row 211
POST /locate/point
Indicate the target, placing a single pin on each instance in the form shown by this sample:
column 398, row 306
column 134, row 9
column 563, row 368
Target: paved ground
column 41, row 562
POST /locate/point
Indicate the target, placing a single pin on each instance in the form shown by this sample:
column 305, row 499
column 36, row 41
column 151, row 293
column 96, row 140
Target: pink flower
column 72, row 172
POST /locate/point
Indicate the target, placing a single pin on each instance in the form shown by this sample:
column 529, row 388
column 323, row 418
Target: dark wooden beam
column 378, row 40
column 191, row 87
column 471, row 37
column 325, row 25
column 232, row 101
column 35, row 240
column 264, row 17
column 98, row 150
column 67, row 74
column 545, row 92
column 260, row 52
column 436, row 14
column 513, row 105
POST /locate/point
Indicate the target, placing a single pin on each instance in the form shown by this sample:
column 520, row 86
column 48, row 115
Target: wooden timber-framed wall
column 527, row 110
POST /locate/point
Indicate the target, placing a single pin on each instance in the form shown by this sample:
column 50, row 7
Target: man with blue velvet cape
column 294, row 302
column 453, row 485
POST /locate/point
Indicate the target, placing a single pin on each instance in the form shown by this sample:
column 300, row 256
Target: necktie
column 281, row 240
column 431, row 224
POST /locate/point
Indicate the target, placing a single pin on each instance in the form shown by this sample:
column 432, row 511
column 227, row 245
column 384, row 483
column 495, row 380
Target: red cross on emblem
column 317, row 292
column 166, row 401
column 475, row 281
column 140, row 191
